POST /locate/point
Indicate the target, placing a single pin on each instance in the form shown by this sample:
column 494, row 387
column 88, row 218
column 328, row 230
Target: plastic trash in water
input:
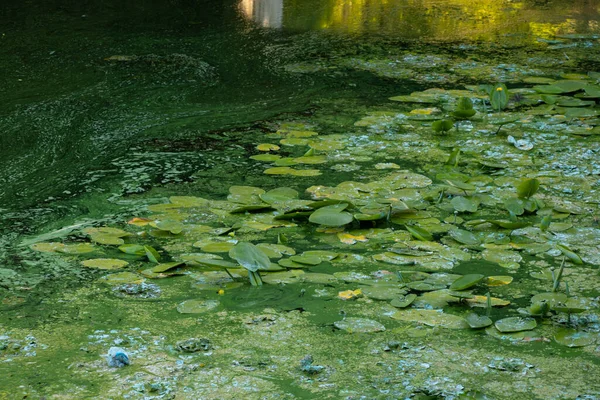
column 117, row 357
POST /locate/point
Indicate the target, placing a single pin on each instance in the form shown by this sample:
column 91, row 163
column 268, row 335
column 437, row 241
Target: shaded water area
column 406, row 169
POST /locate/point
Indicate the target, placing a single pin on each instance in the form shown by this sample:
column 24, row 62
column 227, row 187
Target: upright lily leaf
column 442, row 125
column 570, row 254
column 152, row 254
column 250, row 257
column 134, row 249
column 499, row 97
column 467, row 281
column 528, row 188
column 453, row 158
column 464, row 108
column 419, row 233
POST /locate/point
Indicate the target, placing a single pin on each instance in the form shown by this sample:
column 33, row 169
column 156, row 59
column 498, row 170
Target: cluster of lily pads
column 384, row 222
column 469, row 210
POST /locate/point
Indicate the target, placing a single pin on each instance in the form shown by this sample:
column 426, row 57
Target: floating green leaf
column 464, row 237
column 331, row 216
column 167, row 266
column 467, row 281
column 105, row 263
column 419, row 233
column 462, row 204
column 514, row 206
column 403, row 301
column 515, row 324
column 574, row 338
column 477, row 321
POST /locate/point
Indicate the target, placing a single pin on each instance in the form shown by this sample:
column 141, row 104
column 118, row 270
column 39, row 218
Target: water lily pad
column 482, row 301
column 105, row 263
column 498, row 280
column 551, row 298
column 197, row 306
column 403, row 301
column 359, row 325
column 313, row 277
column 466, row 282
column 463, row 204
column 464, row 237
column 134, row 249
column 311, row 160
column 169, row 225
column 515, row 324
column 77, row 248
column 574, row 338
column 266, row 157
column 267, row 147
column 383, row 292
column 477, row 321
column 167, row 266
column 307, row 260
column 52, row 247
column 348, row 238
column 215, row 247
column 106, row 239
column 107, row 231
column 419, row 233
column 278, row 195
column 331, row 216
column 287, row 263
column 421, row 286
column 252, row 208
column 324, row 255
column 285, row 162
column 286, row 277
column 121, row 278
column 431, row 318
column 571, row 306
column 279, row 171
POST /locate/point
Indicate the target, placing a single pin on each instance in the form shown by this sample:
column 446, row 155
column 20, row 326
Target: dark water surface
column 193, row 67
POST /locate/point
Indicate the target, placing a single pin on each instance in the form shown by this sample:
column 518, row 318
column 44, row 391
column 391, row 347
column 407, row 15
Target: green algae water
column 418, row 180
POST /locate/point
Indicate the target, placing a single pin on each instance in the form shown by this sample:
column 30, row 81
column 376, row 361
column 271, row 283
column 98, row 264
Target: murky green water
column 109, row 110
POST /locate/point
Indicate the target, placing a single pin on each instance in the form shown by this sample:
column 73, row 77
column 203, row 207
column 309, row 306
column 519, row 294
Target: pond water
column 403, row 170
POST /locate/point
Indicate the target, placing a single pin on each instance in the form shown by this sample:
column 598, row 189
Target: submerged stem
column 229, row 273
column 255, row 279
